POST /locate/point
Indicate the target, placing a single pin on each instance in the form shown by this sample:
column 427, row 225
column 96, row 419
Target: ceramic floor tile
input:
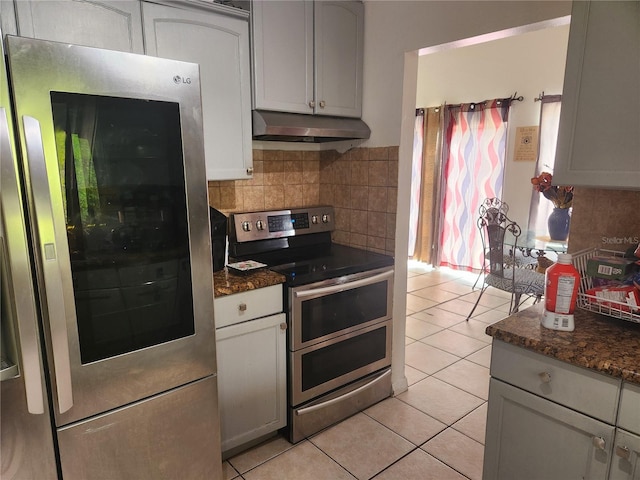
column 409, row 422
column 419, row 282
column 491, row 316
column 473, row 328
column 228, row 472
column 474, row 424
column 413, row 375
column 455, row 287
column 481, row 357
column 461, row 307
column 259, row 454
column 426, row 358
column 440, row 400
column 416, row 303
column 440, row 317
column 436, row 294
column 408, row 340
column 458, row 451
column 418, row 329
column 467, row 376
column 454, row 343
column 362, row 446
column 419, row 465
column 486, row 300
column 302, row 462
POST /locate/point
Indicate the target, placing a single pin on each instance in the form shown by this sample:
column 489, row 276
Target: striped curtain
column 473, row 169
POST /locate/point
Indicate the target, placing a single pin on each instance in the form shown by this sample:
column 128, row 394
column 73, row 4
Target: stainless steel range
column 339, row 302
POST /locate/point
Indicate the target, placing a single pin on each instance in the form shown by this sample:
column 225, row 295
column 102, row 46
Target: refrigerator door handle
column 58, row 312
column 14, row 253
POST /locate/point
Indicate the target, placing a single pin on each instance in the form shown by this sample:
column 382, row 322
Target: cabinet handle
column 545, row 377
column 623, row 452
column 283, row 326
column 312, row 104
column 598, row 442
column 242, row 307
column 250, row 171
column 322, row 104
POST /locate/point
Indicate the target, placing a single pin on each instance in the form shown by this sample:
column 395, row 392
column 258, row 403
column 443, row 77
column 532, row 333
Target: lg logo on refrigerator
column 179, row 79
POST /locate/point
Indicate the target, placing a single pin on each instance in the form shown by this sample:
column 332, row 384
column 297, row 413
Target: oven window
column 331, row 313
column 333, row 361
column 121, row 171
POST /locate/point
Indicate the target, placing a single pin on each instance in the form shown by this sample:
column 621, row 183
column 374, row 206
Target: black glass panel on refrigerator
column 337, row 359
column 332, row 313
column 121, row 171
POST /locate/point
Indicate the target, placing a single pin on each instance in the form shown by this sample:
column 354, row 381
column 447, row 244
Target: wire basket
column 590, row 302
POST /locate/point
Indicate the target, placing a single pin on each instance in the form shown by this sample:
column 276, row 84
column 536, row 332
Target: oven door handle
column 350, row 394
column 343, row 286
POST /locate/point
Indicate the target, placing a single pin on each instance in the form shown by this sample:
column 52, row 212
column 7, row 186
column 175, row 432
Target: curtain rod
column 547, row 98
column 512, row 98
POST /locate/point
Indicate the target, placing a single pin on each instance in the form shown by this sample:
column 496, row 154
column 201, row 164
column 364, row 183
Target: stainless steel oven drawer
column 321, row 368
column 324, row 310
column 312, row 417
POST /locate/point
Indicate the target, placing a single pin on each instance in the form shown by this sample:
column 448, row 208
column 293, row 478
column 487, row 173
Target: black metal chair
column 501, row 268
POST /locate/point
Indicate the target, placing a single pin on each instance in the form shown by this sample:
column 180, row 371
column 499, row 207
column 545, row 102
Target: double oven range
column 339, row 313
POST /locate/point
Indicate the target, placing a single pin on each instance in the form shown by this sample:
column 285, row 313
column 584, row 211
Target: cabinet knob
column 312, row 104
column 623, row 452
column 545, row 377
column 242, row 307
column 598, row 442
column 249, row 170
column 283, row 326
column 322, row 104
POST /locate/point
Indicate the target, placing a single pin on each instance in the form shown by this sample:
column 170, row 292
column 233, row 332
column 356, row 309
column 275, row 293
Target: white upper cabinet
column 114, row 25
column 307, row 56
column 599, row 135
column 339, row 47
column 217, row 38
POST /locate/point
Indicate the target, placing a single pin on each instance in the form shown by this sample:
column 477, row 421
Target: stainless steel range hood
column 293, row 127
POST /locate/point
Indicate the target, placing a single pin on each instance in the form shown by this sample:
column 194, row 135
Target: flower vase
column 558, row 223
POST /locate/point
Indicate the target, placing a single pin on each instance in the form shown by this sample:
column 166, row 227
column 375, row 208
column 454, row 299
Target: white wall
column 394, row 32
column 530, row 64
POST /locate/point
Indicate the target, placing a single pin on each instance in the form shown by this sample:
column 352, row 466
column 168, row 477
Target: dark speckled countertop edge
column 598, row 342
column 228, row 283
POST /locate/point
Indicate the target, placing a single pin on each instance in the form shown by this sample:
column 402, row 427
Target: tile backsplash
column 604, row 218
column 361, row 184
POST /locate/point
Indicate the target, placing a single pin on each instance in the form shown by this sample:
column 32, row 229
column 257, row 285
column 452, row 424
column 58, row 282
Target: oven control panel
column 251, row 226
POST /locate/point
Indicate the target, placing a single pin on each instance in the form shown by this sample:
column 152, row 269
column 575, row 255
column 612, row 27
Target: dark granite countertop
column 228, row 283
column 601, row 343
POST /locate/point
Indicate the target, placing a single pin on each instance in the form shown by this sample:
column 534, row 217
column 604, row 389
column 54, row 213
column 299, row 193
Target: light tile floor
column 434, row 430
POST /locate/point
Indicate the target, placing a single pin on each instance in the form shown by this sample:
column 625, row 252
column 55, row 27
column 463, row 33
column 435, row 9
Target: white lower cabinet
column 551, row 420
column 252, row 372
column 626, row 458
column 529, row 437
column 625, row 464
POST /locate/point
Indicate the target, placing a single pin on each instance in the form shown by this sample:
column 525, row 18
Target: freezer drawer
column 169, row 436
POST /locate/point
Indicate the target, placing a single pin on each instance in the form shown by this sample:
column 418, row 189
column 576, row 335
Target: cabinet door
column 339, row 47
column 220, row 44
column 251, row 379
column 114, row 25
column 626, row 459
column 8, row 18
column 598, row 141
column 530, row 437
column 282, row 55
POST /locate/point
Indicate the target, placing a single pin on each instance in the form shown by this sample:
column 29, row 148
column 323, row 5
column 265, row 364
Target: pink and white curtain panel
column 473, row 169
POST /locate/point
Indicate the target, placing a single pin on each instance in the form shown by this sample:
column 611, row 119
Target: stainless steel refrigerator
column 108, row 338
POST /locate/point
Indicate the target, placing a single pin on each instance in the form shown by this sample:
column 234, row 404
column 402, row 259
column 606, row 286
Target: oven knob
column 260, row 225
column 246, row 226
column 325, row 218
column 314, row 219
